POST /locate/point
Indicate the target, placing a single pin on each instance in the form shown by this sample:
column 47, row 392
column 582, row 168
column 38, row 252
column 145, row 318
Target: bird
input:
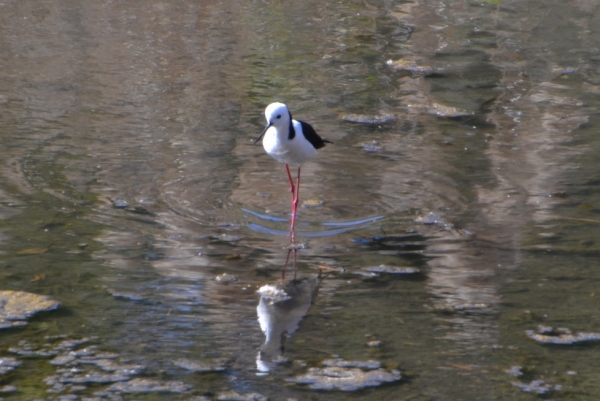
column 291, row 142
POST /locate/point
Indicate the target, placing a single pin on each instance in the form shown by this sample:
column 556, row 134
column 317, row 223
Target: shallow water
column 157, row 104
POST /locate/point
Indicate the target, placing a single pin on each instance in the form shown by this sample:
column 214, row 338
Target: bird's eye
column 278, row 116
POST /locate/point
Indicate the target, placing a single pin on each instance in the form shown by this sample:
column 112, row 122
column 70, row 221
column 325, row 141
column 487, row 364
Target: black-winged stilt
column 292, row 142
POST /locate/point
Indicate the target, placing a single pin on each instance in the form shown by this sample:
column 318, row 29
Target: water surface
column 157, row 104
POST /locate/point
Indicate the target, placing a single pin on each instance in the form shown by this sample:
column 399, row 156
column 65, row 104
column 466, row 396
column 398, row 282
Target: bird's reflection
column 281, row 307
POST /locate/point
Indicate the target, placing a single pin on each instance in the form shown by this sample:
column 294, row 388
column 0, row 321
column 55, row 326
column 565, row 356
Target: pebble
column 369, row 119
column 226, row 278
column 147, row 385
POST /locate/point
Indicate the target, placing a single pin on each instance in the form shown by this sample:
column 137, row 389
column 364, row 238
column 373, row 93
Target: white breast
column 295, row 151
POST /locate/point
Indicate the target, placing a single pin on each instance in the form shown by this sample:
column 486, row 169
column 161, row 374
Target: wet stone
column 62, row 360
column 548, row 335
column 199, row 366
column 370, row 146
column 226, row 238
column 109, row 365
column 233, row 396
column 515, row 371
column 544, row 97
column 392, row 269
column 365, row 274
column 130, row 296
column 9, row 388
column 149, row 386
column 341, row 363
column 369, row 119
column 16, row 306
column 537, row 387
column 68, row 397
column 95, row 377
column 88, row 351
column 440, row 110
column 431, row 218
column 374, row 343
column 310, row 203
column 119, row 202
column 71, row 344
column 409, row 66
column 226, row 278
column 344, row 379
column 470, row 306
column 8, row 364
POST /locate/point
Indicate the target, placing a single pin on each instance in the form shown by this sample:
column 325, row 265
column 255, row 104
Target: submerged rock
column 344, row 379
column 430, row 218
column 339, row 374
column 370, row 146
column 545, row 97
column 549, row 335
column 149, row 386
column 341, row 363
column 233, row 396
column 226, row 278
column 16, row 306
column 225, row 238
column 392, row 269
column 470, row 306
column 440, row 110
column 8, row 364
column 310, row 203
column 95, row 377
column 409, row 66
column 537, row 387
column 119, row 202
column 9, row 388
column 369, row 119
column 199, row 366
column 515, row 371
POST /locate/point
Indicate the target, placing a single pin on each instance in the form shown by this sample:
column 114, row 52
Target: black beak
column 261, row 135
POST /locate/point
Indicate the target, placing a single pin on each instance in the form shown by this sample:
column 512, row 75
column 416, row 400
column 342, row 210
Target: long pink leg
column 295, row 201
column 293, row 191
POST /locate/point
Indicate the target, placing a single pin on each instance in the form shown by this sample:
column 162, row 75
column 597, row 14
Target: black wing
column 311, row 135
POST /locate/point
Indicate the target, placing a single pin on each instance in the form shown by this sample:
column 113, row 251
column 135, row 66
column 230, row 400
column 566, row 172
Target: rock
column 537, row 387
column 226, row 278
column 515, row 371
column 409, row 66
column 8, row 364
column 440, row 110
column 341, row 363
column 392, row 269
column 16, row 306
column 199, row 366
column 233, row 396
column 344, row 379
column 554, row 337
column 148, row 386
column 369, row 119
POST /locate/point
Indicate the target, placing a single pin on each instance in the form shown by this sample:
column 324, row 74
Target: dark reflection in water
column 474, row 161
column 281, row 307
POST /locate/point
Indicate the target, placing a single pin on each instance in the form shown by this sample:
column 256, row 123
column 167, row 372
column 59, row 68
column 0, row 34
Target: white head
column 278, row 116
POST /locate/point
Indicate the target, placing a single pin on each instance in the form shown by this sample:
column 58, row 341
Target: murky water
column 485, row 181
